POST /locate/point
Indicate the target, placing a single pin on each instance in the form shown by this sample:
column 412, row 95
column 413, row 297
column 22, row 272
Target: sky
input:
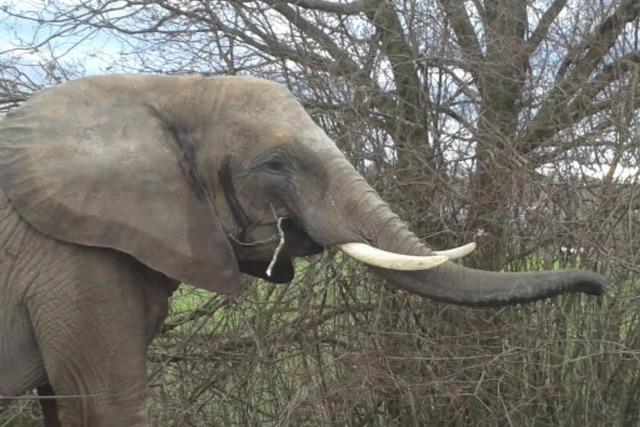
column 94, row 52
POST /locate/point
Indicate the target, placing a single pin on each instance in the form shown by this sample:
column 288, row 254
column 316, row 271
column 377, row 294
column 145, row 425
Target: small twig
column 255, row 243
column 276, row 253
column 57, row 397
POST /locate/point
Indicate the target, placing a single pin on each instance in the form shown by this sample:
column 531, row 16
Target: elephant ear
column 104, row 170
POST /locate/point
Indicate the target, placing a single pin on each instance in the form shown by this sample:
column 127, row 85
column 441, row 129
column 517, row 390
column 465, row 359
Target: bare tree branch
column 351, row 8
column 541, row 31
column 465, row 34
column 584, row 60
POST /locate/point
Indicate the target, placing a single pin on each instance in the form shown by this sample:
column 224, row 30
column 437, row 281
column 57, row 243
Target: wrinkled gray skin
column 115, row 189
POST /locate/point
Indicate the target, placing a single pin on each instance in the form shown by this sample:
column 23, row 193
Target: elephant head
column 201, row 178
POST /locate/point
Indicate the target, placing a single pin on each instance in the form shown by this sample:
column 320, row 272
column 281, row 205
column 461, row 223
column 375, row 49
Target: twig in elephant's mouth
column 278, row 236
column 55, row 397
column 276, row 253
column 256, row 242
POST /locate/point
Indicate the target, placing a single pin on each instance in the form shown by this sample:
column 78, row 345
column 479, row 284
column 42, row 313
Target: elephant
column 117, row 188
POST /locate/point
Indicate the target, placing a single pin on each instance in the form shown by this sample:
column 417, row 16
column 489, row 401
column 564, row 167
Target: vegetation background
column 509, row 122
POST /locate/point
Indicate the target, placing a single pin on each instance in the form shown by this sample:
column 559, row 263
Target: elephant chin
column 282, row 271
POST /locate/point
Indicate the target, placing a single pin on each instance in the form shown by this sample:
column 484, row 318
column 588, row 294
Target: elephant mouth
column 255, row 258
column 297, row 243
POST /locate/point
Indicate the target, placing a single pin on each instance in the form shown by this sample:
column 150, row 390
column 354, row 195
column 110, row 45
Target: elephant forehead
column 251, row 87
column 260, row 133
column 258, row 99
column 281, row 133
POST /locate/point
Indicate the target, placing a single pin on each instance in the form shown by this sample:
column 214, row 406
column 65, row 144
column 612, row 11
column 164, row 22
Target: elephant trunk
column 459, row 285
column 367, row 216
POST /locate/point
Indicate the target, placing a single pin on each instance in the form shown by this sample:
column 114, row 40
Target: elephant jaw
column 394, row 261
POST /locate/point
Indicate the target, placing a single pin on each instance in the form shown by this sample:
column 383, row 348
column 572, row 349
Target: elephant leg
column 93, row 325
column 48, row 406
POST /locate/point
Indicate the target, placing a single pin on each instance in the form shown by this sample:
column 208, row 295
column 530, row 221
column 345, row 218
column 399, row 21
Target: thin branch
column 541, row 31
column 352, row 8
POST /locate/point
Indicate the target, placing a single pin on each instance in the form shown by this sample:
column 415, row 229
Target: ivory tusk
column 458, row 252
column 389, row 260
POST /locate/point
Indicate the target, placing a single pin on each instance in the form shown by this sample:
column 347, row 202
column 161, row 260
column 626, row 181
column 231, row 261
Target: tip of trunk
column 591, row 283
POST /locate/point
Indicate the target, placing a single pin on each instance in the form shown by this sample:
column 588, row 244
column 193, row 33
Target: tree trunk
column 501, row 80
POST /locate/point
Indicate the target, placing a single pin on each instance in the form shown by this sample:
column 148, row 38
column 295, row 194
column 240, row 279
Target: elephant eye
column 274, row 163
